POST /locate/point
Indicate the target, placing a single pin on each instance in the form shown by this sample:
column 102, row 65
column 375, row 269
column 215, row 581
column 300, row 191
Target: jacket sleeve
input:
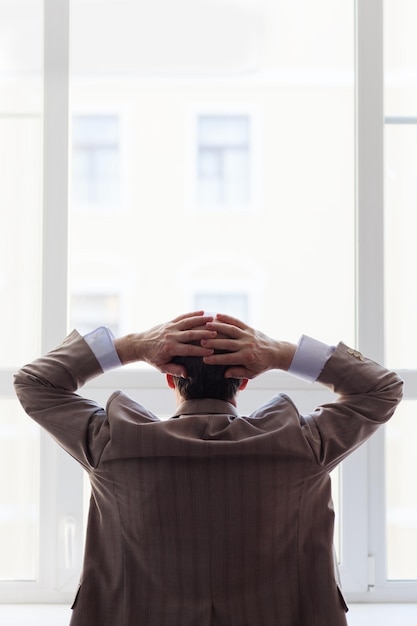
column 368, row 395
column 47, row 389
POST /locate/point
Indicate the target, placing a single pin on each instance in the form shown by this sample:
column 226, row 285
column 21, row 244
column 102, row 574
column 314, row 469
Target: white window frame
column 61, row 497
column 223, row 108
column 60, row 506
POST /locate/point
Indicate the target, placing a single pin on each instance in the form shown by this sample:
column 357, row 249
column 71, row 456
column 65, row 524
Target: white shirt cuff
column 101, row 344
column 310, row 358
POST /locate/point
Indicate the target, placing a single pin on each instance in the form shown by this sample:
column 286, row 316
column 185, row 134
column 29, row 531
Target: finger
column 225, row 329
column 239, row 372
column 192, row 321
column 220, row 343
column 185, row 315
column 189, row 349
column 192, row 336
column 231, row 321
column 175, row 369
column 229, row 358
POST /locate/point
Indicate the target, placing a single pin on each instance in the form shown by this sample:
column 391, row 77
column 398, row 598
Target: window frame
column 61, row 497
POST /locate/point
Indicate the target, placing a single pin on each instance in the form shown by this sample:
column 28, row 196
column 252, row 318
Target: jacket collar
column 206, row 406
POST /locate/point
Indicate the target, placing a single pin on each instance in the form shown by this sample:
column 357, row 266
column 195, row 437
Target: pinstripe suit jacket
column 211, row 519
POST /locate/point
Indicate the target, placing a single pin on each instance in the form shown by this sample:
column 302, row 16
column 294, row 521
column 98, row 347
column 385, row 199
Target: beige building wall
column 276, row 249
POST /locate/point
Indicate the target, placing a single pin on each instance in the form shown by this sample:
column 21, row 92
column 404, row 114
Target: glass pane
column 224, row 138
column 209, row 163
column 95, row 161
column 400, row 245
column 401, row 495
column 95, row 130
column 263, row 61
column 236, row 174
column 223, row 130
column 19, row 502
column 400, row 57
column 223, row 179
column 21, row 111
column 20, row 181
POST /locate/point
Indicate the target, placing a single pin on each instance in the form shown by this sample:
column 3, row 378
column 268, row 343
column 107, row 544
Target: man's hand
column 248, row 351
column 158, row 346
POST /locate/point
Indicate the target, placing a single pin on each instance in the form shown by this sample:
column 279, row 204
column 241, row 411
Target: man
column 209, row 518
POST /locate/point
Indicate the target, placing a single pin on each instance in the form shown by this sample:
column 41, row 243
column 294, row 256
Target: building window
column 96, row 168
column 235, row 304
column 223, row 161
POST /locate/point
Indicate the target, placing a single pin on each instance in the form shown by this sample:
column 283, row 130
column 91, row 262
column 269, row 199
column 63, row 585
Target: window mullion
column 55, row 188
column 370, row 252
column 61, row 497
column 369, row 178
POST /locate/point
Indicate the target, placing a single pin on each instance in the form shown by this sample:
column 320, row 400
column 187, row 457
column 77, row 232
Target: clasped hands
column 245, row 351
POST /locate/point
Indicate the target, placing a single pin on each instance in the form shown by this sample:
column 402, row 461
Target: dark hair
column 204, row 381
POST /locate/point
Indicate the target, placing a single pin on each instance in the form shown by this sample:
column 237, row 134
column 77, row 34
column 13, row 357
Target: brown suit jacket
column 210, row 519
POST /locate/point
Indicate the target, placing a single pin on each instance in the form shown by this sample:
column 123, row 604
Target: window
column 96, row 176
column 313, row 260
column 223, row 162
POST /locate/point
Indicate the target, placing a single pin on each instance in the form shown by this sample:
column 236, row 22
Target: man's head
column 204, row 381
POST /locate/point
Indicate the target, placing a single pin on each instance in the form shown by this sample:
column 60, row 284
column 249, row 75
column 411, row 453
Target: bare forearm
column 283, row 354
column 129, row 348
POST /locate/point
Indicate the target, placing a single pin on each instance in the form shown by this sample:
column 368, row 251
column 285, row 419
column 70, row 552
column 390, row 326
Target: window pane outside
column 295, row 253
column 21, row 89
column 19, row 488
column 400, row 58
column 400, row 158
column 21, row 154
column 400, row 245
column 289, row 250
column 20, row 234
column 401, row 468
